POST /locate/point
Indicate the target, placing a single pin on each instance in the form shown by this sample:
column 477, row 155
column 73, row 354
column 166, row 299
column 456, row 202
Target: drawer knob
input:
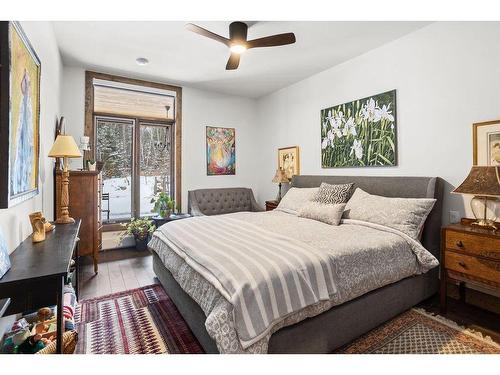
column 462, row 264
column 460, row 244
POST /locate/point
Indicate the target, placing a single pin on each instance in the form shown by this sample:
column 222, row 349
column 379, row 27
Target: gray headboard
column 403, row 187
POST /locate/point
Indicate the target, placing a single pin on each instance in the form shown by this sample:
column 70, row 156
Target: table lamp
column 279, row 178
column 64, row 147
column 484, row 183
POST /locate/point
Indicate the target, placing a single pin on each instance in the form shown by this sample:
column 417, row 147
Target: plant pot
column 141, row 244
column 165, row 214
column 91, row 166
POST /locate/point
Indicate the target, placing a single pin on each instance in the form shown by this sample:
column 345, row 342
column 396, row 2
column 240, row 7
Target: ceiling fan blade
column 272, row 41
column 233, row 62
column 204, row 32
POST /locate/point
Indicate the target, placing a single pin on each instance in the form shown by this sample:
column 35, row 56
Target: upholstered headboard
column 403, row 187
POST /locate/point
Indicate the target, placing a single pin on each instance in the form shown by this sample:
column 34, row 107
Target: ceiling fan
column 238, row 42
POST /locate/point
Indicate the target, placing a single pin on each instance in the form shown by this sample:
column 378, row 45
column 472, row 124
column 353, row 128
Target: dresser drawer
column 482, row 268
column 472, row 244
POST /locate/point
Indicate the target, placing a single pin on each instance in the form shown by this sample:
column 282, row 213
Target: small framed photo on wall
column 486, row 143
column 288, row 160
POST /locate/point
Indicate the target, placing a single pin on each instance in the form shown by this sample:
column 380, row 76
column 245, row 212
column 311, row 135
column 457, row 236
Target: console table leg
column 60, row 321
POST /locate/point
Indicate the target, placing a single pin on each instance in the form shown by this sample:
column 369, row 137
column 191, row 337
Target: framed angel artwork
column 221, row 151
column 288, row 160
column 19, row 116
column 486, row 143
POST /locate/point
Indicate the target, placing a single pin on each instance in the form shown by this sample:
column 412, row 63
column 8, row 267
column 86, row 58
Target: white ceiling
column 181, row 57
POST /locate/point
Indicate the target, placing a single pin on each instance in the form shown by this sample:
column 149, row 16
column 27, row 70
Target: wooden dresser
column 85, row 203
column 469, row 255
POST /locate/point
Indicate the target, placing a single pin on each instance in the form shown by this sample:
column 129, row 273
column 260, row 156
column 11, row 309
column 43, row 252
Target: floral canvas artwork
column 360, row 133
column 4, row 256
column 221, row 151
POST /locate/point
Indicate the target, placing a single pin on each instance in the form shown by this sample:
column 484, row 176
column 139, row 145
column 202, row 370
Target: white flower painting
column 360, row 133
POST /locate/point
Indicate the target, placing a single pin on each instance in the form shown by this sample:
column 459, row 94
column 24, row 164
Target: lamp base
column 278, row 197
column 483, row 223
column 65, row 220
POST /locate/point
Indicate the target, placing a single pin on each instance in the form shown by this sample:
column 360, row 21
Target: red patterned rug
column 137, row 321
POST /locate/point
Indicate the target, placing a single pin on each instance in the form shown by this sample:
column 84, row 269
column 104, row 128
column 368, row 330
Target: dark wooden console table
column 38, row 271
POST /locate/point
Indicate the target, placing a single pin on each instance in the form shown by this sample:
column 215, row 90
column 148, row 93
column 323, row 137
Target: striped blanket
column 264, row 275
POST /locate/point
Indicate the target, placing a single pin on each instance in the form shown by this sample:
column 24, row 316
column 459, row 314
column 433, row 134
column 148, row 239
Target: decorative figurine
column 38, row 227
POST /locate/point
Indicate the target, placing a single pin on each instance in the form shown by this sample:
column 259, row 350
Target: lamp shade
column 64, row 147
column 483, row 181
column 280, row 176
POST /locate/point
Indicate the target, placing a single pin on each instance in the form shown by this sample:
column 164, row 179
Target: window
column 135, row 128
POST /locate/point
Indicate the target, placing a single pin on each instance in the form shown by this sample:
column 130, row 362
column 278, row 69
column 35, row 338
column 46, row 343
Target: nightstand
column 469, row 255
column 271, row 205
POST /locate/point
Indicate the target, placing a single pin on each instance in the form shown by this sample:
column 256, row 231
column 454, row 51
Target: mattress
column 362, row 257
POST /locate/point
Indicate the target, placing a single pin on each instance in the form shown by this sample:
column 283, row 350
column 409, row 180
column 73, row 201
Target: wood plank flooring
column 119, row 270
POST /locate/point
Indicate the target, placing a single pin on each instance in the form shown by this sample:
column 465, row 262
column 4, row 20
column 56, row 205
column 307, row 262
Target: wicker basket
column 70, row 338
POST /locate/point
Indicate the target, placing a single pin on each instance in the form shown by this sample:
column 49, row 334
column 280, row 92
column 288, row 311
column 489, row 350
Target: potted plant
column 140, row 229
column 163, row 204
column 91, row 164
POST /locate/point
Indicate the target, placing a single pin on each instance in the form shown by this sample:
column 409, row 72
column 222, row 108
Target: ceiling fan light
column 238, row 48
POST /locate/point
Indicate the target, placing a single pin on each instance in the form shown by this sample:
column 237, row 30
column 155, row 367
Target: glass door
column 155, row 167
column 114, row 147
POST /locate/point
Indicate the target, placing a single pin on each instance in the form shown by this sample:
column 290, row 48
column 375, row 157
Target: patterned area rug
column 138, row 321
column 418, row 332
column 145, row 320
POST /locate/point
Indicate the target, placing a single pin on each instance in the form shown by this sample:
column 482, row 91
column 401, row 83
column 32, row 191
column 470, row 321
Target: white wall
column 199, row 109
column 14, row 222
column 447, row 76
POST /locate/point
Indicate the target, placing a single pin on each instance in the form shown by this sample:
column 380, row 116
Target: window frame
column 176, row 125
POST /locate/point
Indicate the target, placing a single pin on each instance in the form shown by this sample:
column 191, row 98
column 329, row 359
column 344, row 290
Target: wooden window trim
column 89, row 126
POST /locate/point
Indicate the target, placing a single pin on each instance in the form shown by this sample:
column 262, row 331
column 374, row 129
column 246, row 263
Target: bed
column 320, row 325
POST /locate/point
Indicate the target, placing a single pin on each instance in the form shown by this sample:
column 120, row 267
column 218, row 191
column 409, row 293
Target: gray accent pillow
column 404, row 214
column 333, row 194
column 326, row 213
column 295, row 198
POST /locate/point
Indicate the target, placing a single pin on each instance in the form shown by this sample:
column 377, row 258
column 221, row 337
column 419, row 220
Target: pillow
column 295, row 198
column 404, row 214
column 333, row 194
column 326, row 213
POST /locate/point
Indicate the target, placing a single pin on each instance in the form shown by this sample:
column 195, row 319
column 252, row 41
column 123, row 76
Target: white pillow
column 326, row 213
column 404, row 214
column 295, row 198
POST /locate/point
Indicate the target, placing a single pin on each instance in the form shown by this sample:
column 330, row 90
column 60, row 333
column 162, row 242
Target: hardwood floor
column 124, row 269
column 119, row 270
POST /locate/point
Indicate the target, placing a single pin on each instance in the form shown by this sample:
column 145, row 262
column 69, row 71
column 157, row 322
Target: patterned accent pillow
column 295, row 198
column 407, row 215
column 326, row 213
column 333, row 194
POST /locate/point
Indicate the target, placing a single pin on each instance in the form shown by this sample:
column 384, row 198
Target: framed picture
column 486, row 143
column 19, row 116
column 361, row 133
column 221, row 151
column 288, row 160
column 4, row 256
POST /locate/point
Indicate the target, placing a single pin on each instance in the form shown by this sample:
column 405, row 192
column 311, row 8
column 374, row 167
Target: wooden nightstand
column 469, row 255
column 271, row 205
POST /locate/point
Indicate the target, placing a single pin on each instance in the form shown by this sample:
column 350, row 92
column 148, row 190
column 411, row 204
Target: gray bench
column 221, row 201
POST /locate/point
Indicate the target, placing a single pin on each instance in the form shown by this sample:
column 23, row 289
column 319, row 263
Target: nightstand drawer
column 472, row 244
column 482, row 268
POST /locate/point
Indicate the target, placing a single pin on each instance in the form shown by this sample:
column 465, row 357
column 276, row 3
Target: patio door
column 138, row 163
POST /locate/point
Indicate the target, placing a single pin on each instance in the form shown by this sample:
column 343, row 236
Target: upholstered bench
column 221, row 201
